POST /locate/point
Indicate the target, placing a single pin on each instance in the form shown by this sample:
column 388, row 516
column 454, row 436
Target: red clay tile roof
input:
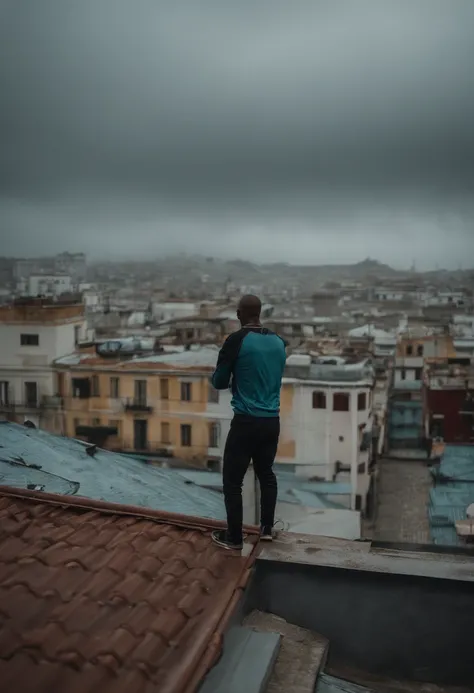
column 97, row 597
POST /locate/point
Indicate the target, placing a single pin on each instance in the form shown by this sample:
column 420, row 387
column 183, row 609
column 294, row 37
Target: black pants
column 256, row 439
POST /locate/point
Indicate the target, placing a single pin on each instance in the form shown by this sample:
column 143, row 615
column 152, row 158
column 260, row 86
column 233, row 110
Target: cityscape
column 376, row 410
column 236, row 347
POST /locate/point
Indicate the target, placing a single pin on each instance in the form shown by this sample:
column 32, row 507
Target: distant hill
column 357, row 270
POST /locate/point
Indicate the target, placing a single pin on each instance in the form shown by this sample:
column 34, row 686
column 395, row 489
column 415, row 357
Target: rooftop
column 41, row 311
column 31, row 458
column 96, row 597
column 304, row 367
column 452, row 494
column 197, row 358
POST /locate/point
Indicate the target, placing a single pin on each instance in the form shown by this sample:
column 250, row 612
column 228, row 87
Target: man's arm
column 226, row 361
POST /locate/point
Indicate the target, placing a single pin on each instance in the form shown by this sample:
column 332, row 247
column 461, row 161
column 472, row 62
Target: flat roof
column 307, row 549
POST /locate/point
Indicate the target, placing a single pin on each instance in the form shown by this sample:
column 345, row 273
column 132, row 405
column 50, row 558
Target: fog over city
column 306, row 132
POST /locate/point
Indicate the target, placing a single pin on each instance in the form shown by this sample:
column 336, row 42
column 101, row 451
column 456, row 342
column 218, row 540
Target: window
column 361, row 401
column 403, row 374
column 214, row 435
column 31, row 394
column 212, row 393
column 186, row 392
column 81, row 387
column 409, row 350
column 4, row 392
column 117, row 424
column 418, row 373
column 77, row 334
column 114, row 388
column 96, row 422
column 165, row 433
column 185, row 435
column 95, row 391
column 341, row 401
column 29, row 339
column 319, row 400
column 419, row 350
column 341, row 439
column 164, row 388
column 140, row 392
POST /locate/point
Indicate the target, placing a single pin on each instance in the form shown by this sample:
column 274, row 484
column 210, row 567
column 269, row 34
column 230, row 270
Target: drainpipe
column 327, row 436
column 354, row 448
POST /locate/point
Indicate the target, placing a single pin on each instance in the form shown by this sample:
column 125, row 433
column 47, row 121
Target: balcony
column 138, row 405
column 20, row 407
column 409, row 362
column 408, row 385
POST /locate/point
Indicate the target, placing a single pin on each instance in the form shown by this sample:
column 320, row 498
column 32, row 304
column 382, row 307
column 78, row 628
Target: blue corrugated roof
column 314, row 500
column 66, row 468
column 457, row 463
column 202, row 478
column 452, row 494
column 291, row 489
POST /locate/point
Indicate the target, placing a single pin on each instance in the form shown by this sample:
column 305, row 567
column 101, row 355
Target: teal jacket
column 252, row 362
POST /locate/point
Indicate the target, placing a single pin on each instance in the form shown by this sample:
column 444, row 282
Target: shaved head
column 248, row 310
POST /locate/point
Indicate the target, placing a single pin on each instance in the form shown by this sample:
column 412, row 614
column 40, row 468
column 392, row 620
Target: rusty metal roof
column 110, row 598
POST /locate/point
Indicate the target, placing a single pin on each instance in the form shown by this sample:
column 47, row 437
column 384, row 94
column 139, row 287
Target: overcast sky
column 320, row 131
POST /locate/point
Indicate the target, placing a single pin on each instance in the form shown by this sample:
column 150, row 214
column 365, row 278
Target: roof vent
column 91, row 450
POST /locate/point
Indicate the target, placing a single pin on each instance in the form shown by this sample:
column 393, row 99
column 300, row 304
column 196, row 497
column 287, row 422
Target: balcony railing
column 408, row 385
column 137, row 404
column 21, row 406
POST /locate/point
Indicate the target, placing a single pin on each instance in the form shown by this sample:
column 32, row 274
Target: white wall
column 92, row 300
column 317, row 431
column 222, row 412
column 323, row 436
column 49, row 285
column 170, row 310
column 20, row 364
column 388, row 295
column 409, row 375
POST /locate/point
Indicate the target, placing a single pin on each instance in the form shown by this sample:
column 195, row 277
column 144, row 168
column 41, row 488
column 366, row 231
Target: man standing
column 252, row 361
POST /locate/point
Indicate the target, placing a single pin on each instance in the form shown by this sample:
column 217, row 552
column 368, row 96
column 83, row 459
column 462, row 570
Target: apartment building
column 327, row 422
column 449, row 400
column 407, row 427
column 33, row 333
column 130, row 398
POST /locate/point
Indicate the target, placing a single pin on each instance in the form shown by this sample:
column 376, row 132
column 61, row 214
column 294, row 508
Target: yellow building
column 154, row 403
column 428, row 348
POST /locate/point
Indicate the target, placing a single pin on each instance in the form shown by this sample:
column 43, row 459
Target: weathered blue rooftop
column 291, row 489
column 452, row 494
column 31, row 458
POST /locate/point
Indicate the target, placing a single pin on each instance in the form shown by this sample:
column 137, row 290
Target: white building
column 92, row 299
column 385, row 343
column 49, row 285
column 169, row 310
column 326, row 423
column 32, row 335
column 446, row 298
column 388, row 295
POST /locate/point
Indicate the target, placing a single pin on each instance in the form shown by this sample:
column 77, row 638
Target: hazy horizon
column 306, row 132
column 155, row 258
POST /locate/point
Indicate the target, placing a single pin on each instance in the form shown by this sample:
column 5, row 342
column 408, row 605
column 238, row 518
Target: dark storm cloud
column 322, row 118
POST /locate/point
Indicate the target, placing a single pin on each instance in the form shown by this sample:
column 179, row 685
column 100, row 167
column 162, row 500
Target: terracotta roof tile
column 96, row 597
